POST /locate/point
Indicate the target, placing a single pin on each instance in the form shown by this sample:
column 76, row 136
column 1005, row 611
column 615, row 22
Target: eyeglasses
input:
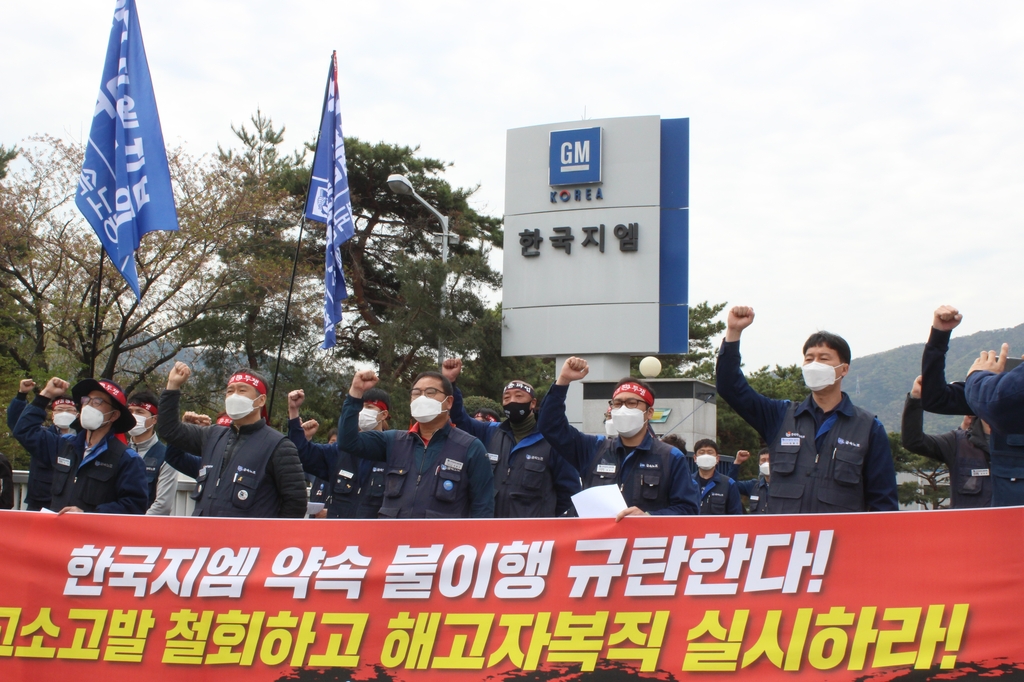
column 95, row 402
column 631, row 403
column 429, row 392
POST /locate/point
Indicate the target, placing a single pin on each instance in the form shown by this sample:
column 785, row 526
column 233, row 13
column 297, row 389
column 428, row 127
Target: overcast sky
column 853, row 165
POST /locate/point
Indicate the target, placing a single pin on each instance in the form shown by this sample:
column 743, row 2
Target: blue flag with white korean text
column 329, row 201
column 125, row 187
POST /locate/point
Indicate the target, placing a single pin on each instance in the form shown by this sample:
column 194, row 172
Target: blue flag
column 125, row 187
column 329, row 201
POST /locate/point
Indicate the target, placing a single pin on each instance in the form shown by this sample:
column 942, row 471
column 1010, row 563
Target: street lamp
column 400, row 184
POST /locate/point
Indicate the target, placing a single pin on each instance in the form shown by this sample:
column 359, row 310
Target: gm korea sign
column 596, row 237
column 574, row 157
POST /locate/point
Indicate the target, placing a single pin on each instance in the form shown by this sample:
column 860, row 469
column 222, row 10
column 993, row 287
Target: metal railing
column 183, row 504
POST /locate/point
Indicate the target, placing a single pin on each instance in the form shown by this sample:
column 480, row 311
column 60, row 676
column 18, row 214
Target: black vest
column 648, row 484
column 804, row 480
column 352, row 497
column 92, row 485
column 442, row 491
column 971, row 483
column 759, row 497
column 232, row 478
column 524, row 488
column 153, row 460
column 713, row 501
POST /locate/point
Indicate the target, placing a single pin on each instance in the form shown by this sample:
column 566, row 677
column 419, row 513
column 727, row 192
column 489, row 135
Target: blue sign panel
column 574, row 157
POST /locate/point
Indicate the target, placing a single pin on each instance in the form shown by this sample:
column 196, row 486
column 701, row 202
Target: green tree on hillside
column 930, row 488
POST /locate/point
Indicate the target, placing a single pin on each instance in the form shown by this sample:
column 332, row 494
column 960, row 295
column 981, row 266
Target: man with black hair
column 826, row 455
column 718, row 492
column 247, row 469
column 531, row 480
column 40, row 475
column 161, row 476
column 756, row 489
column 434, row 470
column 355, row 487
column 653, row 476
column 93, row 471
column 486, row 414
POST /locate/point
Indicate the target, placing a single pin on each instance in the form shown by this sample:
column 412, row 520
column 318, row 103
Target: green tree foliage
column 6, row 156
column 930, row 487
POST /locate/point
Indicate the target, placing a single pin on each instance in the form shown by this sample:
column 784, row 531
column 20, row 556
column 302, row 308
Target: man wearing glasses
column 433, row 470
column 653, row 476
column 93, row 471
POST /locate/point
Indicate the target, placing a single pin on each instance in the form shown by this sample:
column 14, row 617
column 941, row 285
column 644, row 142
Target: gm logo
column 574, row 157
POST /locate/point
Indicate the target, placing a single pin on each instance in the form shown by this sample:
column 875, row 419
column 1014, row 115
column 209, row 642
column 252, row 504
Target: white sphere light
column 650, row 367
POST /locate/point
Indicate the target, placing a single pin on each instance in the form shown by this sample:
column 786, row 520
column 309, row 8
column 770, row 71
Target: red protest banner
column 914, row 595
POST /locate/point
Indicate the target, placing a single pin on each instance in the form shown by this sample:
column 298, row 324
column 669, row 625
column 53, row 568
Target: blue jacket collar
column 845, row 406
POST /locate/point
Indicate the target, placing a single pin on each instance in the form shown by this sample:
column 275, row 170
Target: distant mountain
column 879, row 383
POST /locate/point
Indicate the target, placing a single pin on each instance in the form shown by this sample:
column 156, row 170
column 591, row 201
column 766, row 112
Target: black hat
column 126, row 421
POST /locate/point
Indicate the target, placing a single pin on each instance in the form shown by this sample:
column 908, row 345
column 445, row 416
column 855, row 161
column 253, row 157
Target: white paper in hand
column 600, row 502
column 314, row 508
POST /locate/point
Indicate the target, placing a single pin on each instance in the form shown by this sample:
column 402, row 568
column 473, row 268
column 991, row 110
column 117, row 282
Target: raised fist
column 362, row 382
column 310, row 428
column 296, row 398
column 55, row 388
column 915, row 390
column 740, row 317
column 196, row 418
column 946, row 318
column 26, row 385
column 178, row 376
column 574, row 369
column 741, row 457
column 451, row 369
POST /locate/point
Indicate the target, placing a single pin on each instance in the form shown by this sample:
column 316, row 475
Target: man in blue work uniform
column 1005, row 447
column 93, row 471
column 653, row 476
column 355, row 487
column 531, row 480
column 827, row 455
column 40, row 475
column 964, row 451
column 718, row 492
column 433, row 470
column 756, row 489
column 161, row 476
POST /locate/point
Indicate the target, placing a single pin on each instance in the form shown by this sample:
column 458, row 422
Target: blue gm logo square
column 574, row 157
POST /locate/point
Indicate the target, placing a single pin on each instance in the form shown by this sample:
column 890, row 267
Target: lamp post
column 400, row 184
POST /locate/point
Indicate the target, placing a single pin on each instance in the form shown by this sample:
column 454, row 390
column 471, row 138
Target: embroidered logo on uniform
column 540, row 457
column 64, row 461
column 795, row 434
column 491, row 456
column 645, row 465
column 243, row 495
column 979, row 472
column 246, row 471
column 453, row 464
column 447, row 485
column 106, row 465
column 377, row 470
column 789, row 441
column 346, row 474
column 843, row 441
column 606, row 468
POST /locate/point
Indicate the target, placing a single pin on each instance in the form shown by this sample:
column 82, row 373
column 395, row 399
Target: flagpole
column 288, row 301
column 96, row 319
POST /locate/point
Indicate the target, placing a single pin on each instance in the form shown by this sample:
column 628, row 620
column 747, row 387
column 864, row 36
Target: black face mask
column 517, row 412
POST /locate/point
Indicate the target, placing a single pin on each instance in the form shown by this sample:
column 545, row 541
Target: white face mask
column 140, row 426
column 627, row 421
column 368, row 419
column 818, row 375
column 425, row 409
column 764, row 469
column 706, row 462
column 609, row 429
column 238, row 406
column 64, row 420
column 91, row 418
